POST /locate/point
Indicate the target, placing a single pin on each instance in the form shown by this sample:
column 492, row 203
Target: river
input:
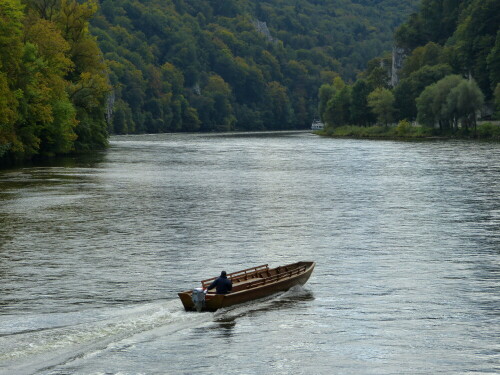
column 406, row 236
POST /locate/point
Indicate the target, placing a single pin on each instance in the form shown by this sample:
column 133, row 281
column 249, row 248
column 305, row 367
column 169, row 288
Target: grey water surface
column 406, row 236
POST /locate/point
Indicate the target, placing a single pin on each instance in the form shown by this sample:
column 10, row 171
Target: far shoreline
column 484, row 132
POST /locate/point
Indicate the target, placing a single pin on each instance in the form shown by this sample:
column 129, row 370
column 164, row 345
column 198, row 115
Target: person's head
column 223, row 274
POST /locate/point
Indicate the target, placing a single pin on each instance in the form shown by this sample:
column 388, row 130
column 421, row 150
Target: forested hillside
column 73, row 70
column 213, row 65
column 450, row 75
column 53, row 80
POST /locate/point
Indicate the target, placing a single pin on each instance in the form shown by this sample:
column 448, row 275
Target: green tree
column 8, row 109
column 326, row 92
column 11, row 49
column 431, row 104
column 377, row 73
column 337, row 112
column 381, row 102
column 56, row 131
column 449, row 101
column 475, row 38
column 11, row 32
column 122, row 121
column 190, row 120
column 89, row 82
column 222, row 111
column 280, row 109
column 408, row 89
column 427, row 55
column 493, row 61
column 435, row 22
column 497, row 100
column 427, row 113
column 465, row 100
column 359, row 109
column 404, row 100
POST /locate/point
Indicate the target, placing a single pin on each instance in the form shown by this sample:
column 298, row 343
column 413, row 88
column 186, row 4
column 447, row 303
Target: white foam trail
column 35, row 351
column 89, row 333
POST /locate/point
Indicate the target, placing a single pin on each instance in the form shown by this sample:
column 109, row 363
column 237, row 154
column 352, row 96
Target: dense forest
column 450, row 76
column 71, row 71
column 53, row 80
column 212, row 65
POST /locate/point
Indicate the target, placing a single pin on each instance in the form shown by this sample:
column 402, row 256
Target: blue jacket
column 222, row 284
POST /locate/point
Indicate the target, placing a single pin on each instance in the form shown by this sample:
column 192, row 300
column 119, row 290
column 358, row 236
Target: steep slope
column 189, row 65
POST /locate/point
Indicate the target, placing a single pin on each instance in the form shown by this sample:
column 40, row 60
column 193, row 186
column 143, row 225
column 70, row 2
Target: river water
column 406, row 236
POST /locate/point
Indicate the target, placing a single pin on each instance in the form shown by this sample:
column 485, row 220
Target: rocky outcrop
column 398, row 56
column 262, row 28
column 110, row 104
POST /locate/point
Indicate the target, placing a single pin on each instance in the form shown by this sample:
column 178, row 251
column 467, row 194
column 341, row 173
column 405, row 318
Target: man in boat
column 222, row 284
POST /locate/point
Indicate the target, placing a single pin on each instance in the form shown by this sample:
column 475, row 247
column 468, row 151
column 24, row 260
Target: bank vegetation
column 449, row 78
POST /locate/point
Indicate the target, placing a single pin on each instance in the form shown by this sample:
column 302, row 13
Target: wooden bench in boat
column 260, row 277
column 272, row 278
column 244, row 284
column 243, row 276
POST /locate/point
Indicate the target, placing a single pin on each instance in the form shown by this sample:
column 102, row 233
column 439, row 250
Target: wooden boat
column 248, row 284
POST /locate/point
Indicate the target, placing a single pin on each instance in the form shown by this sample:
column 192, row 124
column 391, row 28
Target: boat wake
column 46, row 344
column 48, row 341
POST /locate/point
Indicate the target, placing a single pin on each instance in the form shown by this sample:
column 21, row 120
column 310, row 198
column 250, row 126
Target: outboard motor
column 198, row 298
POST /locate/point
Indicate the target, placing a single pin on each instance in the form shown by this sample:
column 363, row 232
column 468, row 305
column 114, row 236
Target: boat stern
column 212, row 301
column 186, row 300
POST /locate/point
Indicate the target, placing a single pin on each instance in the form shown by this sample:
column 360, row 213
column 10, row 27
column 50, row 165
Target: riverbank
column 405, row 131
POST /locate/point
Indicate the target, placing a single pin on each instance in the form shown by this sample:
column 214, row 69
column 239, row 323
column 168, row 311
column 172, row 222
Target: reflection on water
column 291, row 299
column 405, row 235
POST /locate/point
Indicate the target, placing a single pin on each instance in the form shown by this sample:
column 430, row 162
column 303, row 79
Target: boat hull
column 279, row 282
